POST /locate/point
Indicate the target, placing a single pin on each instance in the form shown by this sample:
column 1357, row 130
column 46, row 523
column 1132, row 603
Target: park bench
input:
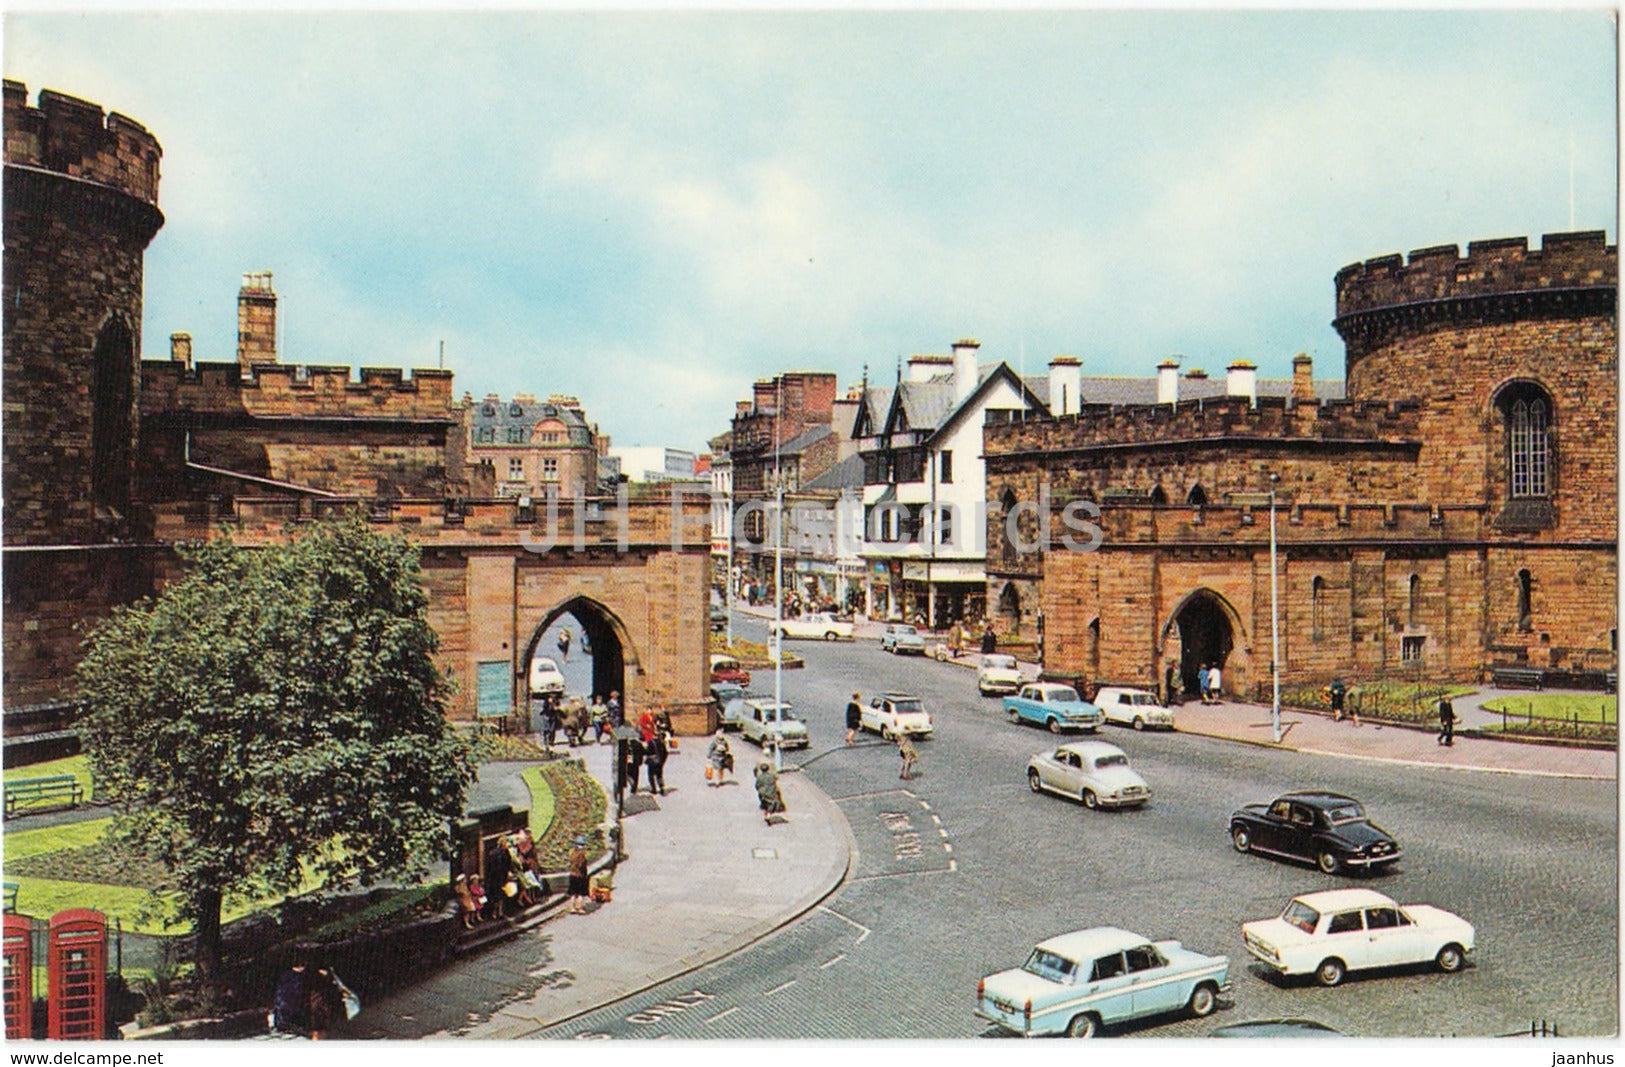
column 11, row 898
column 1519, row 677
column 56, row 787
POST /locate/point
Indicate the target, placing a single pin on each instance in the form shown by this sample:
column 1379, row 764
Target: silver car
column 900, row 637
column 1096, row 773
column 767, row 723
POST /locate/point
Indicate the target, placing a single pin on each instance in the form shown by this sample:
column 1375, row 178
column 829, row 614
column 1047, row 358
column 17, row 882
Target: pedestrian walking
column 911, row 759
column 1337, row 692
column 718, row 758
column 854, row 717
column 768, row 797
column 564, row 643
column 1170, row 687
column 956, row 640
column 631, row 759
column 599, row 713
column 654, row 758
column 990, row 643
column 617, row 714
column 1447, row 721
column 646, row 726
column 1201, row 684
column 1215, row 684
column 578, row 887
column 550, row 719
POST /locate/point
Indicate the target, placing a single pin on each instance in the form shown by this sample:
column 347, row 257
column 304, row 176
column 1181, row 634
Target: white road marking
column 782, row 988
column 849, row 922
column 722, row 1015
column 946, row 847
column 832, row 962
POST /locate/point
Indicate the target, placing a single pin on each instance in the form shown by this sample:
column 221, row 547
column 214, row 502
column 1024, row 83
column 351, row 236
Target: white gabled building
column 921, row 443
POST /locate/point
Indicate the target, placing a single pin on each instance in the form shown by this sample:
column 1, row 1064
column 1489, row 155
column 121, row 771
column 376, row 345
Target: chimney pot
column 1242, row 380
column 1065, row 385
column 180, row 349
column 1168, row 381
column 1303, row 378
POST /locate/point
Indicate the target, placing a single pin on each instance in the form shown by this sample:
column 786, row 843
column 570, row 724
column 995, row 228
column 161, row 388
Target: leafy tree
column 273, row 711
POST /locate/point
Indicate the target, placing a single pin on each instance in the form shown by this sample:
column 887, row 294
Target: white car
column 765, row 723
column 1330, row 933
column 998, row 674
column 899, row 637
column 1133, row 707
column 893, row 714
column 545, row 677
column 1094, row 772
column 819, row 627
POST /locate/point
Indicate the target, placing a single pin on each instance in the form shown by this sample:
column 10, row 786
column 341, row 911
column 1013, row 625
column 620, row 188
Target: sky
column 651, row 209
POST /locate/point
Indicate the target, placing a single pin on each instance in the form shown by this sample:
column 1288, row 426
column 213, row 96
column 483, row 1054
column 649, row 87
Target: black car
column 719, row 618
column 1327, row 829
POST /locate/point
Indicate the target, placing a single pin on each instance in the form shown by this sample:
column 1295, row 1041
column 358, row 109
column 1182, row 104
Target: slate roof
column 801, row 441
column 847, row 474
column 502, row 414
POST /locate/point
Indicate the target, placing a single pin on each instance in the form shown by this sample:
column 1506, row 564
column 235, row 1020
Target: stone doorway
column 1206, row 636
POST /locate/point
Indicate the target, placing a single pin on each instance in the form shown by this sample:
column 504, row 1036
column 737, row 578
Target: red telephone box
column 77, row 959
column 19, row 990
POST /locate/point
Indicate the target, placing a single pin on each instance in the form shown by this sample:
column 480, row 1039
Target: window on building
column 485, row 435
column 516, row 435
column 945, row 524
column 516, row 470
column 1197, row 497
column 1410, row 649
column 1158, row 497
column 1007, row 500
column 112, row 390
column 1526, row 588
column 945, row 468
column 1413, row 599
column 1317, row 608
column 550, row 470
column 1526, row 409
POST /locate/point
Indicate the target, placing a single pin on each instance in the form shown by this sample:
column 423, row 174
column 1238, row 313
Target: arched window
column 1197, row 497
column 112, row 392
column 1317, row 608
column 1527, row 412
column 1526, row 587
column 1007, row 500
column 1413, row 599
column 1158, row 497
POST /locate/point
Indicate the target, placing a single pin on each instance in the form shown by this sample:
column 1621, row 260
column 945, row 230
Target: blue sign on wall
column 495, row 689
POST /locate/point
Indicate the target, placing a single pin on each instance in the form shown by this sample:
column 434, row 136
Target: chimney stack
column 1303, row 379
column 1242, row 380
column 1065, row 384
column 180, row 349
column 923, row 368
column 965, row 369
column 1168, row 381
column 763, row 393
column 256, row 320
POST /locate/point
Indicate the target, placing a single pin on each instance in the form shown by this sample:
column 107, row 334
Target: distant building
column 535, row 448
column 655, row 463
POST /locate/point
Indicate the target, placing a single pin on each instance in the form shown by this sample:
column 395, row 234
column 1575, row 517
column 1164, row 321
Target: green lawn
column 1564, row 707
column 541, row 801
column 78, row 766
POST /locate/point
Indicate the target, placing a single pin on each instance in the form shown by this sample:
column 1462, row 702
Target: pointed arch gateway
column 615, row 667
column 1204, row 628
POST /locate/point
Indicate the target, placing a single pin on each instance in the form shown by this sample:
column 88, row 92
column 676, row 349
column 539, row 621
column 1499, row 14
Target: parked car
column 765, row 722
column 1133, row 707
column 729, row 699
column 1329, row 830
column 1092, row 771
column 900, row 637
column 727, row 669
column 1058, row 707
column 893, row 714
column 998, row 674
column 817, row 627
column 1330, row 933
column 545, row 677
column 1078, row 982
column 719, row 618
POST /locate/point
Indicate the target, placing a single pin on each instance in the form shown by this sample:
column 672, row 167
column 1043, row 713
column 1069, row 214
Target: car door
column 1065, row 775
column 1346, row 939
column 1110, row 988
column 1271, row 829
column 1392, row 938
column 1155, row 991
column 1032, row 707
column 1298, row 834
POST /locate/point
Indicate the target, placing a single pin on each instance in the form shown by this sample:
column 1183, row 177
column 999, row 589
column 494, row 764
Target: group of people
column 1210, row 683
column 649, row 750
column 512, row 869
column 575, row 717
column 1337, row 695
column 309, row 1000
column 905, row 744
column 719, row 760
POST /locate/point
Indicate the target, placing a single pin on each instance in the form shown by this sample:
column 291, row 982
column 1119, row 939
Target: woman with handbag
column 718, row 759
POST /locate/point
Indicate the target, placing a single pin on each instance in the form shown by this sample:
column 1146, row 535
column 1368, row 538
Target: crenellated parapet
column 66, row 153
column 1504, row 280
column 292, row 390
column 1209, row 422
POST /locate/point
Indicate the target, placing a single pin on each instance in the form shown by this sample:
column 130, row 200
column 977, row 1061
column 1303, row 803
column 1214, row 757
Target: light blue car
column 1076, row 983
column 1054, row 706
column 899, row 638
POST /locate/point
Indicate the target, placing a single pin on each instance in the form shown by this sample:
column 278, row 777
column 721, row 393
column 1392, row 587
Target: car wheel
column 1203, row 1000
column 1083, row 1026
column 1089, row 799
column 1032, row 781
column 1327, row 862
column 1450, row 959
column 1054, row 725
column 1330, row 972
column 1241, row 838
column 1015, row 716
column 1139, row 723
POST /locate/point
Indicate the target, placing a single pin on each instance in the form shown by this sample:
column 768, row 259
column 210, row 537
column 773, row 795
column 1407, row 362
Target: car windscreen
column 1301, row 915
column 1343, row 813
column 1049, row 965
column 907, row 707
column 1003, row 663
column 1142, row 699
column 1111, row 761
column 907, row 630
column 1063, row 693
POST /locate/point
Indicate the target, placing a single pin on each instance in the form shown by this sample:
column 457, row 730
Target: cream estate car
column 1133, row 707
column 1093, row 772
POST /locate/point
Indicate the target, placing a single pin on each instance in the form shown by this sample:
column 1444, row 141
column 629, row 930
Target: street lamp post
column 1275, row 624
column 728, row 578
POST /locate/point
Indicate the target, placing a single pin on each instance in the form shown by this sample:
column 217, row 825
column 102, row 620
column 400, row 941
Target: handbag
column 709, row 772
column 352, row 1003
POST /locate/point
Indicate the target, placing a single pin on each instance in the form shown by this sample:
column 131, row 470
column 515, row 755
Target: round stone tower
column 81, row 206
column 1513, row 353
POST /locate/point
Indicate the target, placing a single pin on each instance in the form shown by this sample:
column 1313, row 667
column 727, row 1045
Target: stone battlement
column 1490, row 268
column 72, row 137
column 1099, row 426
column 291, row 390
